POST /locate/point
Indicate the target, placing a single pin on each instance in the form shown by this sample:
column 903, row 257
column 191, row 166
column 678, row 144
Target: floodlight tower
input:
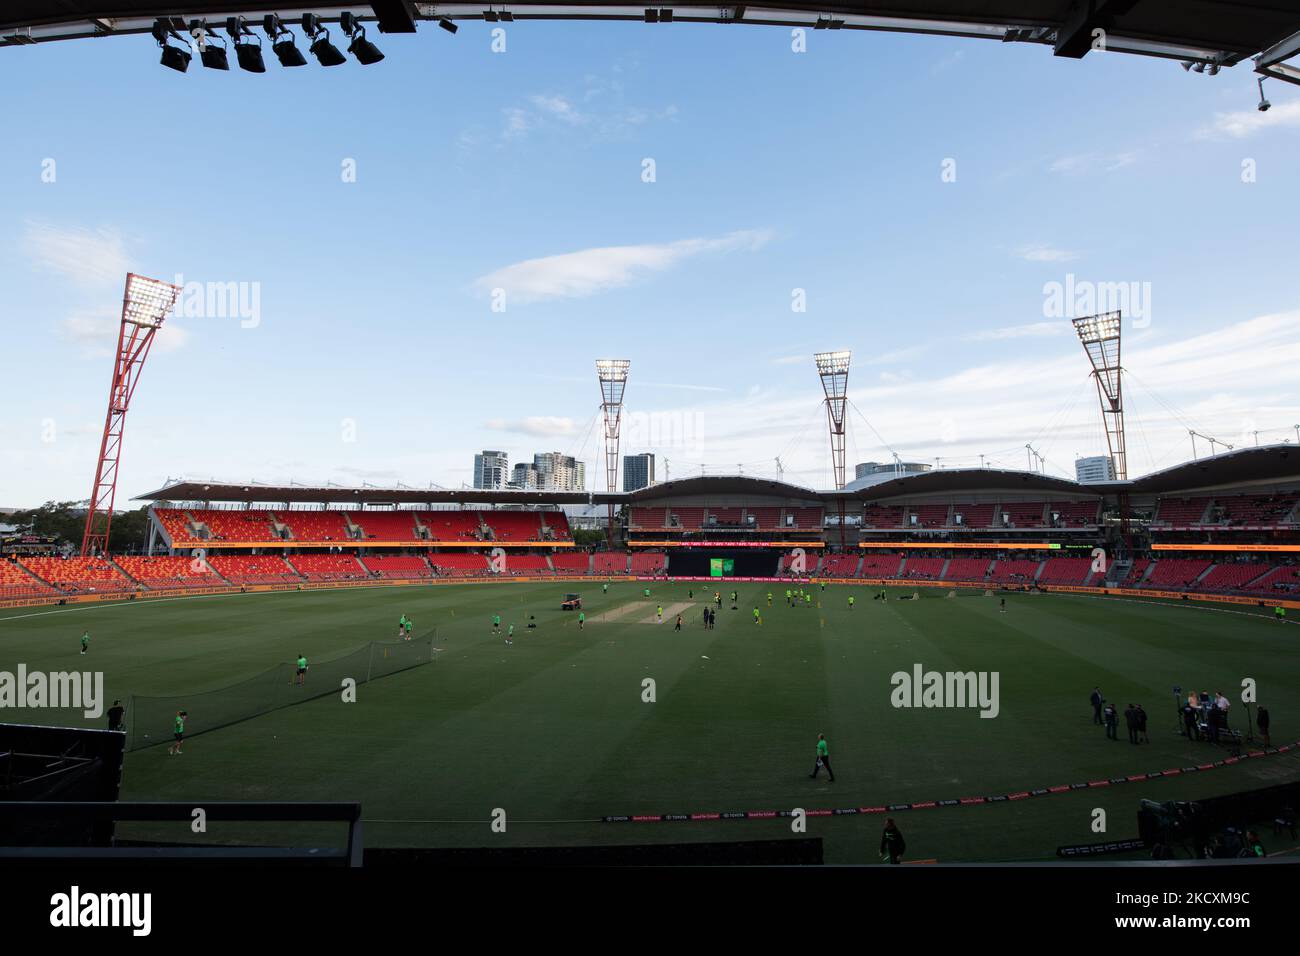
column 613, row 380
column 833, row 367
column 1100, row 335
column 145, row 304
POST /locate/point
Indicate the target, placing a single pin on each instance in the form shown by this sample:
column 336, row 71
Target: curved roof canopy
column 1216, row 32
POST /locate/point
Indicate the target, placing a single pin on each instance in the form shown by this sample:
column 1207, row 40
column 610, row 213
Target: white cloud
column 95, row 331
column 592, row 271
column 86, row 256
column 541, row 426
column 558, row 107
column 1082, row 163
column 1245, row 123
column 1045, row 253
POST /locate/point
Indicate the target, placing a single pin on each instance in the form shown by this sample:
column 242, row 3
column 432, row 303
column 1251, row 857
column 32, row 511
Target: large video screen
column 721, row 567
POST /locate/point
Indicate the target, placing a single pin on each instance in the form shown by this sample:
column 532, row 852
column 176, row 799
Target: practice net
column 151, row 719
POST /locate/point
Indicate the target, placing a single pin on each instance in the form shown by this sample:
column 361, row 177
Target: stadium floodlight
column 325, row 52
column 365, row 51
column 249, row 55
column 1263, row 103
column 173, row 57
column 1100, row 337
column 451, row 27
column 833, row 367
column 282, row 42
column 612, row 374
column 145, row 304
column 212, row 56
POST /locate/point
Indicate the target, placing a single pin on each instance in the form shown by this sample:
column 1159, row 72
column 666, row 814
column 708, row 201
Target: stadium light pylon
column 612, row 374
column 833, row 367
column 1100, row 336
column 145, row 304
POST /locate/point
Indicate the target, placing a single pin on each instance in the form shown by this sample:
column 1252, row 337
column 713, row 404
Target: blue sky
column 377, row 356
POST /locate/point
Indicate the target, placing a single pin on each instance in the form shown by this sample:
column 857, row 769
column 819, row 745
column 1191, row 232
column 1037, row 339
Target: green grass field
column 554, row 730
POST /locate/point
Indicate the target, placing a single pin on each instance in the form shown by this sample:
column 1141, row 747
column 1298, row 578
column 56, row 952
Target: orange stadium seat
column 177, row 525
column 397, row 566
column 1017, row 571
column 927, row 569
column 1176, row 573
column 169, row 571
column 453, row 564
column 236, row 525
column 514, row 525
column 573, row 562
column 609, row 562
column 452, row 525
column 648, row 562
column 1065, row 571
column 79, row 574
column 386, row 525
column 881, row 565
column 17, row 584
column 253, row 568
column 966, row 569
column 328, row 567
column 315, row 525
column 841, row 565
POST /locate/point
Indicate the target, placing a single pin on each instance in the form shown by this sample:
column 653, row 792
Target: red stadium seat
column 79, row 574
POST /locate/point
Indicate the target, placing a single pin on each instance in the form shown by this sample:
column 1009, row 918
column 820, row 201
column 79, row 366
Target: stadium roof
column 1221, row 32
column 183, row 489
column 723, row 485
column 1265, row 464
column 965, row 479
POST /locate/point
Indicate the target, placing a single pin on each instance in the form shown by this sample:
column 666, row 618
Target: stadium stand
column 1283, row 580
column 235, row 525
column 571, row 562
column 315, row 525
column 177, row 525
column 400, row 567
column 514, row 525
column 1170, row 573
column 1023, row 514
column 1065, row 571
column 1255, row 510
column 882, row 516
column 928, row 516
column 328, row 567
column 609, row 562
column 1181, row 511
column 974, row 516
column 688, row 519
column 1019, row 571
column 881, row 565
column 966, row 569
column 726, row 517
column 840, row 565
column 765, row 519
column 1234, row 576
column 650, row 519
column 451, row 564
column 169, row 571
column 927, row 569
column 452, row 525
column 385, row 525
column 804, row 518
column 1075, row 514
column 528, row 565
column 253, row 568
column 648, row 562
column 17, row 584
column 1135, row 573
column 557, row 523
column 79, row 574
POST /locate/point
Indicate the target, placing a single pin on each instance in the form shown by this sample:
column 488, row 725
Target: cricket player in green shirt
column 851, row 602
column 757, row 618
column 646, row 592
column 788, row 594
column 409, row 624
column 604, row 588
column 496, row 623
column 301, row 676
column 85, row 641
column 769, row 598
column 823, row 759
column 510, row 635
column 178, row 733
column 1279, row 612
column 582, row 619
column 401, row 625
column 807, row 599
